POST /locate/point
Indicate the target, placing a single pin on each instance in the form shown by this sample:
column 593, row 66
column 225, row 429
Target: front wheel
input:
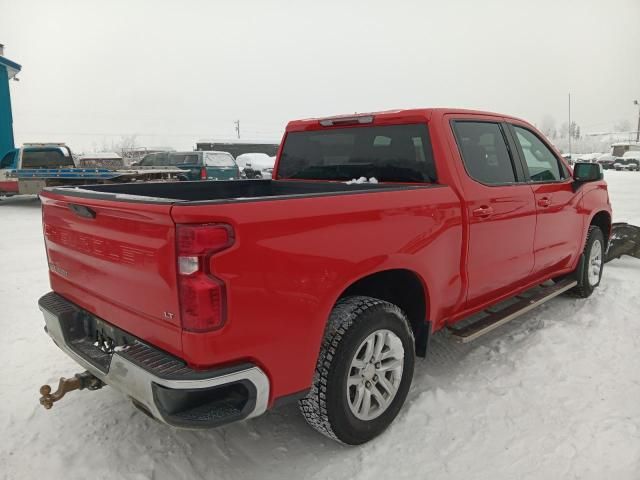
column 594, row 249
column 363, row 373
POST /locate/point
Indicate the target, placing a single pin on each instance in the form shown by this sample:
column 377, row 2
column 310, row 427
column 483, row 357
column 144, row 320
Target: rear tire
column 594, row 250
column 364, row 371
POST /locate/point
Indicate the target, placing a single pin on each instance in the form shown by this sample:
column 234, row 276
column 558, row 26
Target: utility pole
column 570, row 132
column 635, row 102
column 237, row 124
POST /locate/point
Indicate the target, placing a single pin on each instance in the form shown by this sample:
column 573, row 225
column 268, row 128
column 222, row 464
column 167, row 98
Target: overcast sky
column 175, row 71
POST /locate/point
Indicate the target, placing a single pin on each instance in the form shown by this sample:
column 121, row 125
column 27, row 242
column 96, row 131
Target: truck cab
column 32, row 156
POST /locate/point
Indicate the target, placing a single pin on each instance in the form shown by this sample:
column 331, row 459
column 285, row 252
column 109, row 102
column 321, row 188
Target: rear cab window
column 393, row 153
column 484, row 151
column 218, row 159
column 46, row 158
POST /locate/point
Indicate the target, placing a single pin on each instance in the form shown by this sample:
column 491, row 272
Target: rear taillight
column 203, row 173
column 203, row 299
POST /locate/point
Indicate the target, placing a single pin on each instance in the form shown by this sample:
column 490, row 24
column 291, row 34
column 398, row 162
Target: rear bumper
column 161, row 385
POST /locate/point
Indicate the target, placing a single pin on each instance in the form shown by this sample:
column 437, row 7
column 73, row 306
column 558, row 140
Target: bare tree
column 564, row 130
column 548, row 126
column 623, row 126
column 125, row 146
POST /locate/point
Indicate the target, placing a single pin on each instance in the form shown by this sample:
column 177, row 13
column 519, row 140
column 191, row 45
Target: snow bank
column 258, row 161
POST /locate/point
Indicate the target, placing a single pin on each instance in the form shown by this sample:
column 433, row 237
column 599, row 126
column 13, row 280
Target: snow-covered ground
column 554, row 394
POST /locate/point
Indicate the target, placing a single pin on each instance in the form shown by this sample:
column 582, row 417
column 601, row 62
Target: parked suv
column 199, row 165
column 629, row 161
column 606, row 160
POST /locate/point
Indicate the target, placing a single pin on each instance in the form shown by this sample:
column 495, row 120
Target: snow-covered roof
column 152, row 149
column 624, row 144
column 101, row 155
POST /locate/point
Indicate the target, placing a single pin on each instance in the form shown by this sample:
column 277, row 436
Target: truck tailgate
column 116, row 260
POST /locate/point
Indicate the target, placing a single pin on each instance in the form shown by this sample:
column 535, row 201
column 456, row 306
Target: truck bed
column 223, row 191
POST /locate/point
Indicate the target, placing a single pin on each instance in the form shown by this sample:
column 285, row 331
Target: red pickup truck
column 210, row 302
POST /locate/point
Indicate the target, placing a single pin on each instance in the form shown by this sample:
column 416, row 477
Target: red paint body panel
column 292, row 258
column 9, row 187
column 119, row 266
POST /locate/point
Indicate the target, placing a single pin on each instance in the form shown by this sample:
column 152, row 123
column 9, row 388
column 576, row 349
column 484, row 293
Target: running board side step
column 494, row 319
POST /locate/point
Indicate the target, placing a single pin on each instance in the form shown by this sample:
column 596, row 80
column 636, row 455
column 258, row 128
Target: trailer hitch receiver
column 79, row 381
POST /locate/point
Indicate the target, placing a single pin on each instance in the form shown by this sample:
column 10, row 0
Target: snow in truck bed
column 553, row 394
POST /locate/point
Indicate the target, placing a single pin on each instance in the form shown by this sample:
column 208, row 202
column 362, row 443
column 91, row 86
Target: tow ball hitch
column 79, row 381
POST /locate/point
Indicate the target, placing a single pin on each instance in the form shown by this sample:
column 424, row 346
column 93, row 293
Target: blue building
column 8, row 70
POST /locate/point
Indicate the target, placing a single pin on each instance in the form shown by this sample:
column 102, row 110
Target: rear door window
column 542, row 163
column 484, row 152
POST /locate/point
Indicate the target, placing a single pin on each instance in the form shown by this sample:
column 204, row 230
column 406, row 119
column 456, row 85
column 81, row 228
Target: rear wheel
column 593, row 263
column 363, row 373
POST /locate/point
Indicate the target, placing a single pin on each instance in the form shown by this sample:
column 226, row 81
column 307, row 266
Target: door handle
column 544, row 202
column 483, row 211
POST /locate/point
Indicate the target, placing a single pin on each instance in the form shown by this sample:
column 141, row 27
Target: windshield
column 394, row 153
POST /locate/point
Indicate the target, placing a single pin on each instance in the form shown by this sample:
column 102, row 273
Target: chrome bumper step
column 160, row 384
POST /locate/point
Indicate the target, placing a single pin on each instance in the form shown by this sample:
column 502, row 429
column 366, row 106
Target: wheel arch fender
column 602, row 220
column 403, row 287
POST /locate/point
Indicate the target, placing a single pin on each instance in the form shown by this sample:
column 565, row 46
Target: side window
column 542, row 163
column 484, row 152
column 192, row 159
column 7, row 160
column 183, row 159
column 146, row 161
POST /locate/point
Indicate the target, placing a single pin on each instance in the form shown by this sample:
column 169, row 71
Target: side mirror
column 584, row 172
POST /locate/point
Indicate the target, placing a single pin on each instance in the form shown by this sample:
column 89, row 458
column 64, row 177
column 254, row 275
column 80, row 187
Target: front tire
column 364, row 371
column 594, row 250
